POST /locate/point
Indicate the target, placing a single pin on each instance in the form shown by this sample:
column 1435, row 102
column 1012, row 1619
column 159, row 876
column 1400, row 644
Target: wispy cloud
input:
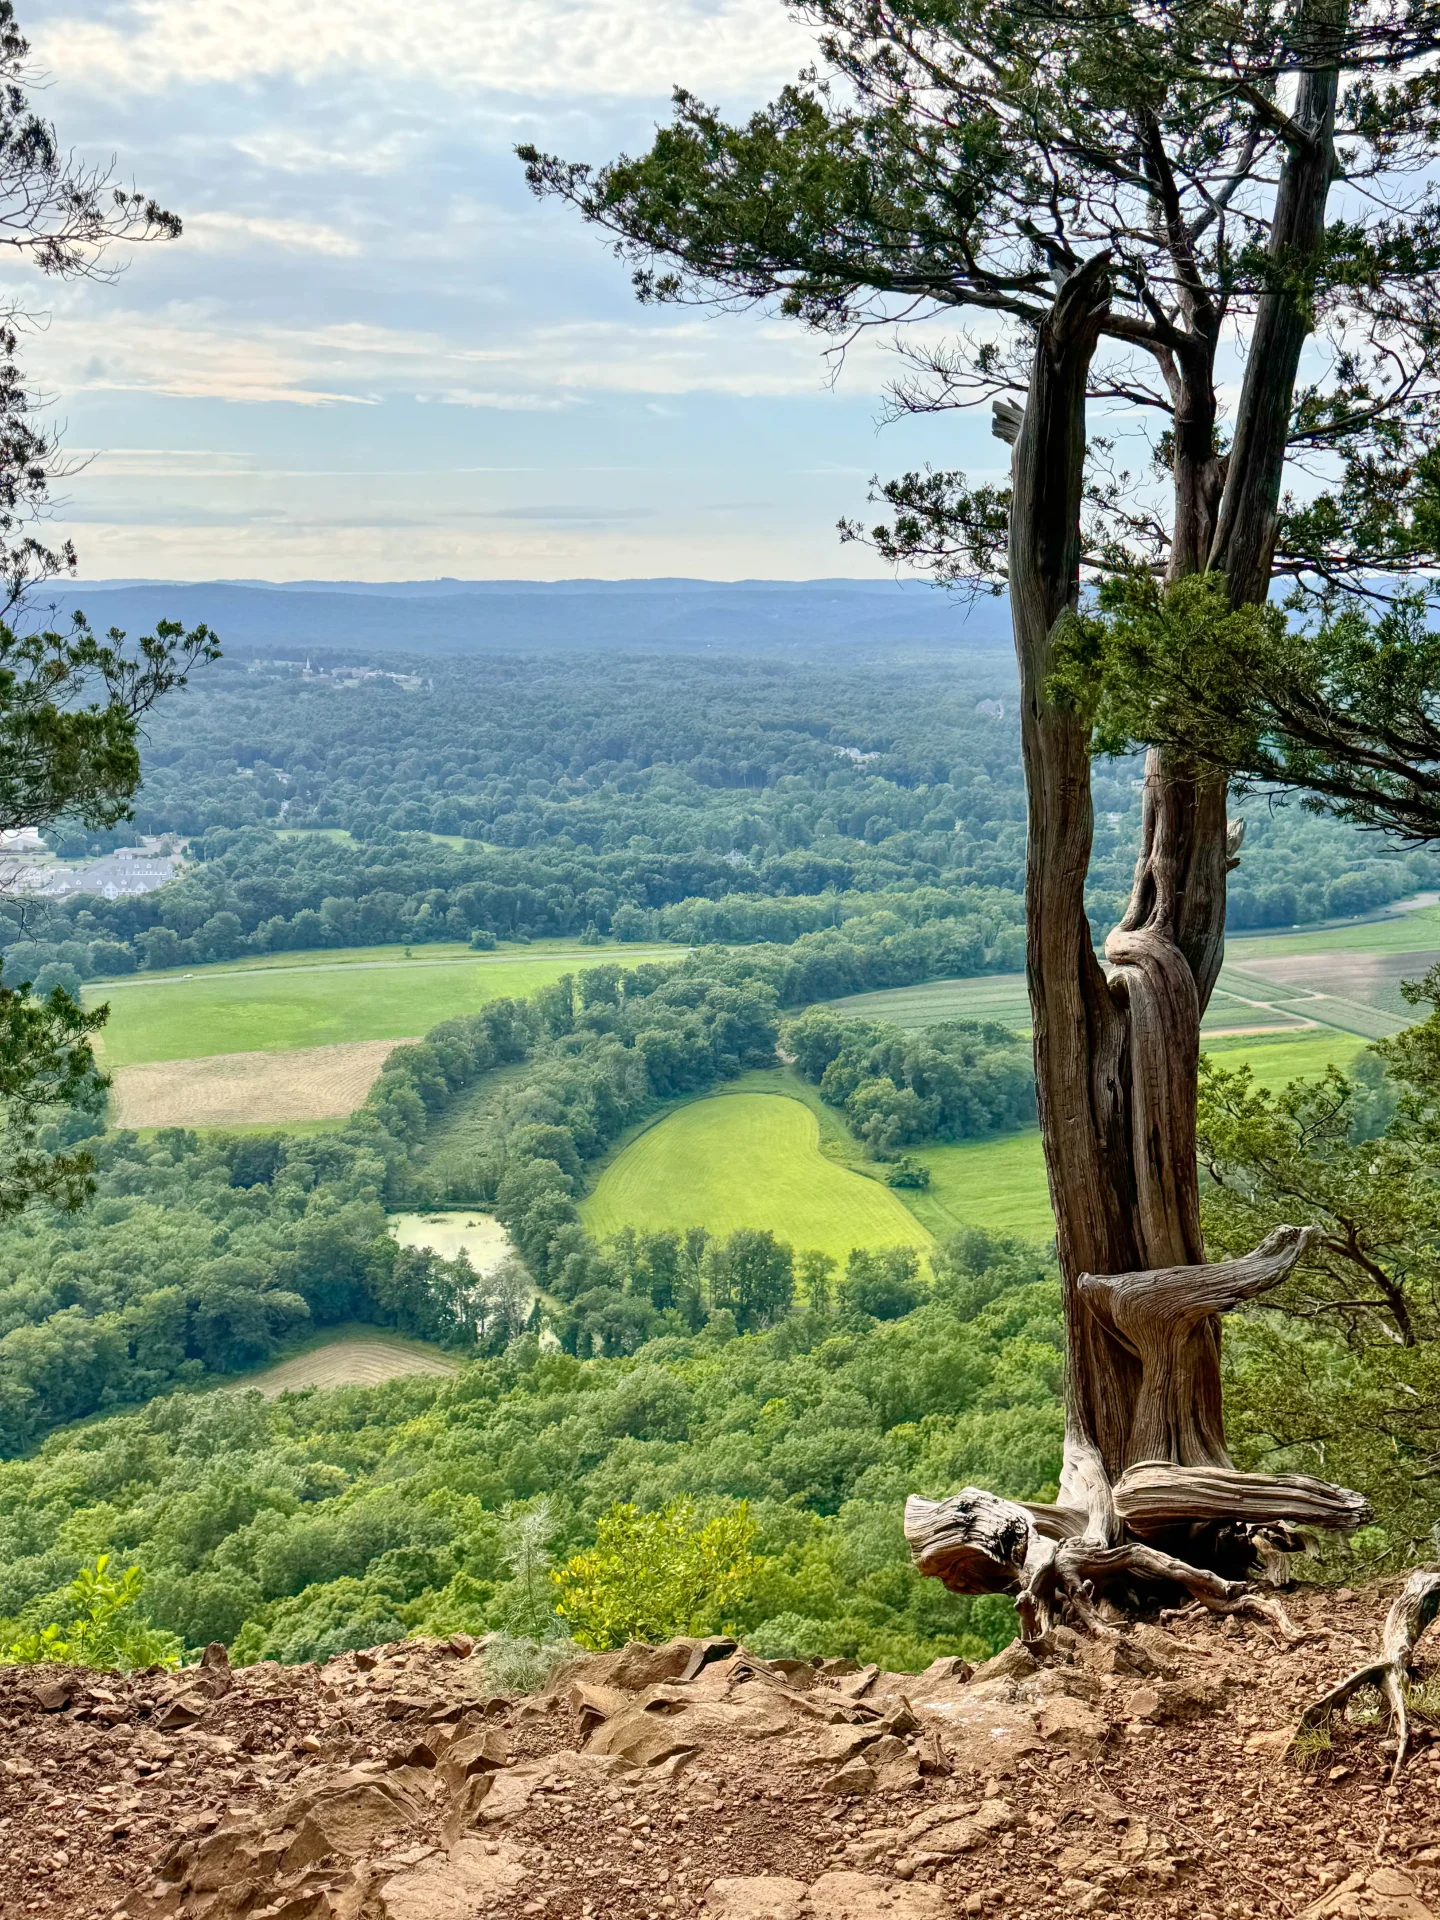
column 235, row 232
column 199, row 352
column 532, row 47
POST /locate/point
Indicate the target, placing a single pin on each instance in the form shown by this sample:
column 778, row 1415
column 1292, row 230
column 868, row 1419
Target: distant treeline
column 711, row 801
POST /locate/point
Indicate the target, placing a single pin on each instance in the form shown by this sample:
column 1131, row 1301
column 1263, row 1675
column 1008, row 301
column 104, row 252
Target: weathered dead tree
column 1149, row 1498
column 1412, row 1612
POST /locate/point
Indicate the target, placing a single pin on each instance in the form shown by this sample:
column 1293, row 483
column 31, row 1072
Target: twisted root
column 1409, row 1616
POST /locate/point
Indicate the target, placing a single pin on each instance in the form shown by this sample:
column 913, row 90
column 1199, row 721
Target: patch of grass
column 1280, row 1058
column 432, row 953
column 251, row 1012
column 1310, row 1746
column 993, row 996
column 998, row 1184
column 300, row 1127
column 1400, row 933
column 747, row 1159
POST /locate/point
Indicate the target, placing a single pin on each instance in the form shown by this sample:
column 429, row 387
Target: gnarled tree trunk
column 1116, row 1059
column 1147, row 1490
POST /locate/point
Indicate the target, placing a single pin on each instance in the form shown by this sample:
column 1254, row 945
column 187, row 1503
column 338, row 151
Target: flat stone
column 866, row 1896
column 758, row 1897
column 1168, row 1702
column 1064, row 1722
column 836, row 1745
column 972, row 1830
column 857, row 1777
column 1382, row 1893
column 459, row 1885
column 1015, row 1662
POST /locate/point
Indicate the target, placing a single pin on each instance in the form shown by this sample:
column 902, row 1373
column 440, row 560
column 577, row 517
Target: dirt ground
column 237, row 1089
column 1144, row 1774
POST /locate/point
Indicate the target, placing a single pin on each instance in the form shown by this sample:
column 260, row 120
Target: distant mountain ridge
column 465, row 616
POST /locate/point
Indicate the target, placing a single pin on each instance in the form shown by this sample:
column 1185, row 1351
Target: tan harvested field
column 235, row 1089
column 357, row 1361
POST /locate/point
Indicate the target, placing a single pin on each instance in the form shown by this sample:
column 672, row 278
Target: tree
column 70, row 703
column 651, row 1576
column 752, row 1276
column 1113, row 191
column 1342, row 1371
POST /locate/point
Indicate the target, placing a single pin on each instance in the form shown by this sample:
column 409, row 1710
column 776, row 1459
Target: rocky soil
column 1141, row 1774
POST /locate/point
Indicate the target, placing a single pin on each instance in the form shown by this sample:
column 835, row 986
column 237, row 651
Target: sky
column 373, row 355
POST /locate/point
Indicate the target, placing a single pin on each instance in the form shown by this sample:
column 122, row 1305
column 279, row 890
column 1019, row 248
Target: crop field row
column 1277, row 985
column 361, row 1356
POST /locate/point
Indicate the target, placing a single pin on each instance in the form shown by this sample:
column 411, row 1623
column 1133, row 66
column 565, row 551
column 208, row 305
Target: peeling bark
column 1116, row 1059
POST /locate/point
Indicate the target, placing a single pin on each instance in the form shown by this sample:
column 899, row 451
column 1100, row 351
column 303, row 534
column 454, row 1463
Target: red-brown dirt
column 1141, row 1775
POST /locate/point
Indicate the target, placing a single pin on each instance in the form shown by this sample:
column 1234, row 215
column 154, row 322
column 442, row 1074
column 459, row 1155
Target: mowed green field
column 755, row 1160
column 747, row 1160
column 270, row 1010
column 1000, row 1184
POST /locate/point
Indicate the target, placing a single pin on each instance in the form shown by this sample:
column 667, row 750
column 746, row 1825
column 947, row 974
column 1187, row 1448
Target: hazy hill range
column 463, row 616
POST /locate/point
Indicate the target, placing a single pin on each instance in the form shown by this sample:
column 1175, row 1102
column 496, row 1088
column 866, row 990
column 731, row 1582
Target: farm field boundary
column 280, row 1012
column 746, row 1159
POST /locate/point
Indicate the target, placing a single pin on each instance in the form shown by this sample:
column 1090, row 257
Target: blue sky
column 374, row 356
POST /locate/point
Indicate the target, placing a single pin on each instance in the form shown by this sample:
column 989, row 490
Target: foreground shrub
column 94, row 1623
column 651, row 1576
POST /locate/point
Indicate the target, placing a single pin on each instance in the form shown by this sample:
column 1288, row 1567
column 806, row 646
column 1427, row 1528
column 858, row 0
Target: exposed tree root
column 1112, row 1537
column 1417, row 1605
column 1254, row 1606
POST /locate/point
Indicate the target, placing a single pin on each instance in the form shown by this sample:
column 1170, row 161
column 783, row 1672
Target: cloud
column 561, row 516
column 533, row 47
column 283, row 149
column 231, row 232
column 200, row 352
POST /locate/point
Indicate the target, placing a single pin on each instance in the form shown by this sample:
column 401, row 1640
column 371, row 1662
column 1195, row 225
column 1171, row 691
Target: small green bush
column 651, row 1576
column 94, row 1623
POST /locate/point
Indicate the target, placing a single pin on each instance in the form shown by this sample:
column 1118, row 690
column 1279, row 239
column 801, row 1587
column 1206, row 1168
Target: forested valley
column 525, row 798
column 797, row 860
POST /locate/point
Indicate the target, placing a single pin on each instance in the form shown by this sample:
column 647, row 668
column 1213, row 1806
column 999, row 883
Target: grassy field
column 1278, row 1059
column 720, row 1163
column 1399, row 933
column 747, row 1160
column 271, row 1010
column 1000, row 1184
